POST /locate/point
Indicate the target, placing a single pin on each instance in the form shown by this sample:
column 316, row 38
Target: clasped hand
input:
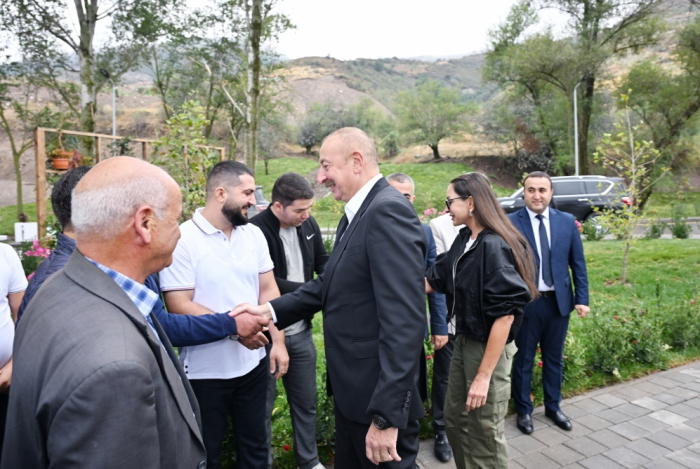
column 250, row 320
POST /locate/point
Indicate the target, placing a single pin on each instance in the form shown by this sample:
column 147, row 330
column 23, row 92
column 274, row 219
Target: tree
column 45, row 27
column 18, row 117
column 635, row 161
column 667, row 101
column 180, row 152
column 598, row 30
column 430, row 112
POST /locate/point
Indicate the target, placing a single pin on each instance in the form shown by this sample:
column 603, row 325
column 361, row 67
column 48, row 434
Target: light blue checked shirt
column 143, row 297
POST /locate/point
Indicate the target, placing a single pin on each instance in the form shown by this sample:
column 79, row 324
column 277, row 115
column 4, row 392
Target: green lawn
column 661, row 204
column 8, row 217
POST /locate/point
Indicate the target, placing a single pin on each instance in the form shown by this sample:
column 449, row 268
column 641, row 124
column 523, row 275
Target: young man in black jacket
column 297, row 250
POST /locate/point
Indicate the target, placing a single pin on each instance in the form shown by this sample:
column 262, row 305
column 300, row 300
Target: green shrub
column 655, row 230
column 608, row 346
column 592, row 231
column 681, row 324
column 680, row 228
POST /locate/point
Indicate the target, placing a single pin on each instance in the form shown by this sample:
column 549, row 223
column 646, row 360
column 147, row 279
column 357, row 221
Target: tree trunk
column 267, row 173
column 585, row 113
column 253, row 88
column 308, row 149
column 436, row 153
column 18, row 175
column 87, row 73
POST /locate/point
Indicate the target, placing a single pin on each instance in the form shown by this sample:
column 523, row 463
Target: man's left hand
column 279, row 359
column 439, row 341
column 380, row 445
column 254, row 342
column 582, row 310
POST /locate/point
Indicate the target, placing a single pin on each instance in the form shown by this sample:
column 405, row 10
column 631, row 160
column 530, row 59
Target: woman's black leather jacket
column 481, row 285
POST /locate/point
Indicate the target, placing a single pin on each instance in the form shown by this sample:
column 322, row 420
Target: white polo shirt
column 223, row 273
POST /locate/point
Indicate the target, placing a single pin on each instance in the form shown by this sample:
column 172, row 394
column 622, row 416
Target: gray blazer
column 92, row 387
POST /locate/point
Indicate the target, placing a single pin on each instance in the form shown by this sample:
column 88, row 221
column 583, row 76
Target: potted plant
column 60, row 157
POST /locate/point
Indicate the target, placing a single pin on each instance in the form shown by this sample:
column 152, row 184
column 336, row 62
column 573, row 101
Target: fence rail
column 40, row 162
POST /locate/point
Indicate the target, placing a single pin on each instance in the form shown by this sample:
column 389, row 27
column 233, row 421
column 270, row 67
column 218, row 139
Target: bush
column 680, row 227
column 592, row 231
column 655, row 230
column 681, row 324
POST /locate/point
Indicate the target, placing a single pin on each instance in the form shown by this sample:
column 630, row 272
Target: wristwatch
column 379, row 422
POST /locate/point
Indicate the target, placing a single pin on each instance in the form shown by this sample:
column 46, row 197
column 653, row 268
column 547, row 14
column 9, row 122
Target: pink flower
column 539, row 364
column 616, row 317
column 429, row 357
column 692, row 302
column 29, row 277
column 442, row 213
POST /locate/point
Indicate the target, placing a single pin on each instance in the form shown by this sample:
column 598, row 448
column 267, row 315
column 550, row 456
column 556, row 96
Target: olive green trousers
column 477, row 437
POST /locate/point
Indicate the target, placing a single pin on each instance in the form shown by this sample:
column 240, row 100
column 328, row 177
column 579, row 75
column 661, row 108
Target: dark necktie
column 545, row 254
column 342, row 226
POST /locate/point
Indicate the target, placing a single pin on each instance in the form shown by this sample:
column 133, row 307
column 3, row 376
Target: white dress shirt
column 541, row 286
column 356, row 201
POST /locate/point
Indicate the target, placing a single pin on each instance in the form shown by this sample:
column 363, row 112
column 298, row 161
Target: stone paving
column 652, row 422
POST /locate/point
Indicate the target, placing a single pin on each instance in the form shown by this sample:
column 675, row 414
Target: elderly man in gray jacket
column 96, row 383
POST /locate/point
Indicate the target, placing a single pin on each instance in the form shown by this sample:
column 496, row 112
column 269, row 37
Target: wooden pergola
column 40, row 162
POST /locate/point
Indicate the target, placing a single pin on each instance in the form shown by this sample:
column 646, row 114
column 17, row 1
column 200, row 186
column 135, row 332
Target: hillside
column 383, row 78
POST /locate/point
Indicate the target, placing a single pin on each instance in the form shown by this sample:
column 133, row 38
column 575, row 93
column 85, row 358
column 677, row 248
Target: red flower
column 539, row 364
column 634, row 341
column 429, row 357
column 616, row 317
column 286, row 447
column 539, row 350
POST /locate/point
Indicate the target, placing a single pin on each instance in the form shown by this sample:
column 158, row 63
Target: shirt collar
column 545, row 214
column 143, row 297
column 355, row 202
column 202, row 223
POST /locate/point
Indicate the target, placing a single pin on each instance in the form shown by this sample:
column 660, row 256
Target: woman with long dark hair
column 488, row 277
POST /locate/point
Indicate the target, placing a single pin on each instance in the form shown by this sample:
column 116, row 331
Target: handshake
column 251, row 322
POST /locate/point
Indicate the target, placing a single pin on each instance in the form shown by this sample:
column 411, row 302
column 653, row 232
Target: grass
column 8, row 217
column 662, row 204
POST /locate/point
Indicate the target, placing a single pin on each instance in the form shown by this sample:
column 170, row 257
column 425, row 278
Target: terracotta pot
column 60, row 163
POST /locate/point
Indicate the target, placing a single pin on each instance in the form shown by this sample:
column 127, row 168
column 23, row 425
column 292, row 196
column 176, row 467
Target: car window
column 597, row 187
column 563, row 188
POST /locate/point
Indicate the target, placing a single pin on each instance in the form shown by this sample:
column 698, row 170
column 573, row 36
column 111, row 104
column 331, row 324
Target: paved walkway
column 652, row 422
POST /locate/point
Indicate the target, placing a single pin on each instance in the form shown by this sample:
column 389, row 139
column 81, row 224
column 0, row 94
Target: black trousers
column 441, row 375
column 242, row 398
column 350, row 445
column 542, row 325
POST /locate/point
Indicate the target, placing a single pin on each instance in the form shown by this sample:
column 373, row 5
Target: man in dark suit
column 437, row 306
column 557, row 245
column 372, row 294
column 96, row 382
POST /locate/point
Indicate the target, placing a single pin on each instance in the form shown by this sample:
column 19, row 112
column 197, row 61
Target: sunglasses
column 448, row 202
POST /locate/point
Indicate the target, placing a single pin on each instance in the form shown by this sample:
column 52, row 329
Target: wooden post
column 222, row 152
column 40, row 170
column 144, row 151
column 98, row 149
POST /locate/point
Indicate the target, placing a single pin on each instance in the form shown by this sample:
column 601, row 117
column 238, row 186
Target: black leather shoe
column 559, row 419
column 443, row 451
column 524, row 423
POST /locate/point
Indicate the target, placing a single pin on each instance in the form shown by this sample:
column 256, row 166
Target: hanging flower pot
column 60, row 157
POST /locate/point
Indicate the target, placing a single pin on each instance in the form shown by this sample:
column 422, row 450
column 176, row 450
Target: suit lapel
column 90, row 277
column 526, row 229
column 341, row 244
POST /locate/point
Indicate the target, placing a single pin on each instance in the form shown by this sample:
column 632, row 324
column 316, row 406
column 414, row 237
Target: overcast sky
column 347, row 29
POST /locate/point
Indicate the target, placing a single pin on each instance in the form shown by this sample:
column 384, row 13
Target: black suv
column 578, row 195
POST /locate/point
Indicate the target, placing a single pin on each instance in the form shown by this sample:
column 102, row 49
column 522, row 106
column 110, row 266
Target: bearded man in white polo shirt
column 221, row 261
